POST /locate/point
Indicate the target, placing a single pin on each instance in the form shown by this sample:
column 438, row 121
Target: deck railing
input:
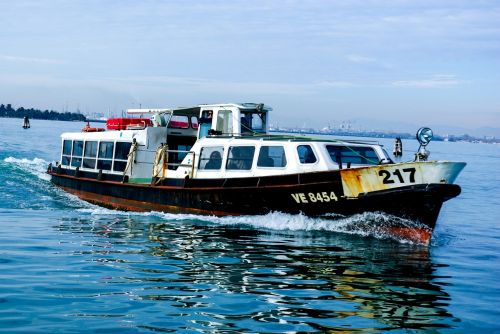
column 161, row 163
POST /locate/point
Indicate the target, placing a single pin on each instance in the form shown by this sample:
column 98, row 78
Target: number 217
column 389, row 177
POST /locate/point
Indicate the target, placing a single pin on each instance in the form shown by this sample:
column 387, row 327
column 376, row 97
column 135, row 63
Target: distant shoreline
column 47, row 119
column 6, row 111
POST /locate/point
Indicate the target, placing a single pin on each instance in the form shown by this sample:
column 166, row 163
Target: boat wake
column 368, row 224
column 25, row 185
column 37, row 166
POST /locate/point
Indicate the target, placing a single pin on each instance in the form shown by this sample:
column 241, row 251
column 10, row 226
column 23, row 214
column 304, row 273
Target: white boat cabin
column 207, row 141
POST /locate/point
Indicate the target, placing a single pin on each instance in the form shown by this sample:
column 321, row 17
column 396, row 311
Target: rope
column 160, row 157
column 130, row 159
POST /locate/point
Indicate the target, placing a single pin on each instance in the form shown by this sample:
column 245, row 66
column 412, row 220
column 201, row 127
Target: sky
column 379, row 64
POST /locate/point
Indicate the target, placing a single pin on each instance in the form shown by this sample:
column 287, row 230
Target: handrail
column 180, row 164
column 161, row 157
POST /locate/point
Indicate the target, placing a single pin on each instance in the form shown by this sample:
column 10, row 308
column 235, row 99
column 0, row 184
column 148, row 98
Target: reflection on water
column 199, row 276
column 127, row 273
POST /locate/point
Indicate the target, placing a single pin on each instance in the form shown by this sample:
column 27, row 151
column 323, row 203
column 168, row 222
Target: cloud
column 436, row 81
column 338, row 84
column 29, row 60
column 183, row 84
column 172, row 84
column 360, row 59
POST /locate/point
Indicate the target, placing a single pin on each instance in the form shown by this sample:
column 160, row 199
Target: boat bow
column 356, row 181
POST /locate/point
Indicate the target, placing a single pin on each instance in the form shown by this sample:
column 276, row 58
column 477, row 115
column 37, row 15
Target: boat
column 221, row 159
column 398, row 148
column 26, row 123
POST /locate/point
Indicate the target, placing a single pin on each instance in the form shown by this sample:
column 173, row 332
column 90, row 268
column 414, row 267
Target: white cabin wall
column 142, row 169
column 293, row 166
column 155, row 136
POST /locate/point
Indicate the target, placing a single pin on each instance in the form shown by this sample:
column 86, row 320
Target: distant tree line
column 8, row 111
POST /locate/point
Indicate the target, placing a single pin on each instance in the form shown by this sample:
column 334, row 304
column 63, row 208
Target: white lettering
column 303, row 198
column 296, row 197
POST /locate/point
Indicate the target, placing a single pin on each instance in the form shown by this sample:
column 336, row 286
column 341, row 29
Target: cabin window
column 76, row 159
column 306, row 154
column 240, row 157
column 90, row 154
column 246, row 123
column 119, row 166
column 122, row 150
column 356, row 155
column 211, row 158
column 259, row 122
column 121, row 156
column 78, row 148
column 206, row 116
column 253, row 122
column 205, row 123
column 179, row 122
column 104, row 160
column 67, row 147
column 225, row 122
column 66, row 153
column 194, row 122
column 271, row 156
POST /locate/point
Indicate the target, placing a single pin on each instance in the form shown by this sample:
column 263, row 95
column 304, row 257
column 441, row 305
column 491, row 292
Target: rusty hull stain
column 361, row 180
column 366, row 179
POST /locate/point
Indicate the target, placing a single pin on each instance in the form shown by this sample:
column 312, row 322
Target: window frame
column 104, row 155
column 243, row 160
column 196, row 124
column 121, row 162
column 224, row 121
column 87, row 158
column 211, row 149
column 358, row 150
column 313, row 152
column 66, row 155
column 269, row 156
column 176, row 121
column 75, row 158
column 99, row 159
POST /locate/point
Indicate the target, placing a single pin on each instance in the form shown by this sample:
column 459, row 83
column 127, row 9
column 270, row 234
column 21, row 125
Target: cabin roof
column 246, row 105
column 195, row 110
column 123, row 135
column 290, row 138
column 189, row 111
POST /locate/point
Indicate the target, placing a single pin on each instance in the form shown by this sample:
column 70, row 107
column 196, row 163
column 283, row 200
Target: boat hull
column 313, row 194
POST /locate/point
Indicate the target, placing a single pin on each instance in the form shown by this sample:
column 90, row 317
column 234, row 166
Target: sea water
column 68, row 266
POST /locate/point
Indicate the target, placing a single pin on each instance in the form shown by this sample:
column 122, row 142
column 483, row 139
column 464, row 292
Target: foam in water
column 366, row 224
column 372, row 224
column 37, row 166
column 43, row 195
